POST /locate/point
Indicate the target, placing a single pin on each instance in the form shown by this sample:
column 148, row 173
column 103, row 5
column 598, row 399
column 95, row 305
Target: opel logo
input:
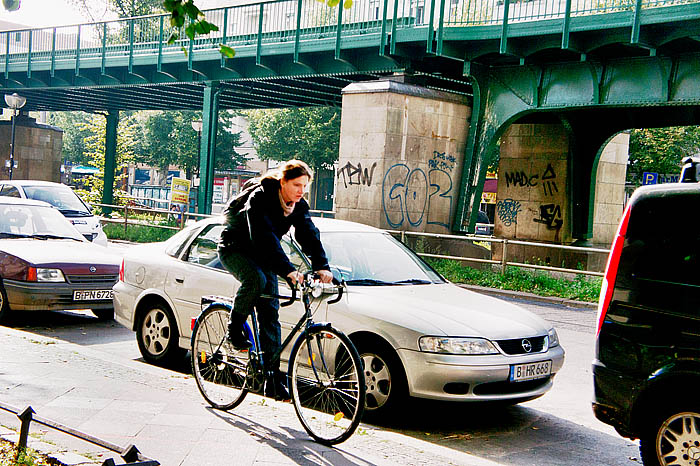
column 93, row 269
column 527, row 346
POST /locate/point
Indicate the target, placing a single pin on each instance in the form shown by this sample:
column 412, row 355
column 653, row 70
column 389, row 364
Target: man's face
column 293, row 190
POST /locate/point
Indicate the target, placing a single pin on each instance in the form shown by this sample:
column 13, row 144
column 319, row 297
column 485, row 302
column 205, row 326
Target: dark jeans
column 254, row 282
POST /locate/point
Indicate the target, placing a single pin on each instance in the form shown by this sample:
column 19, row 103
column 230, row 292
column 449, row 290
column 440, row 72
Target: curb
column 529, row 296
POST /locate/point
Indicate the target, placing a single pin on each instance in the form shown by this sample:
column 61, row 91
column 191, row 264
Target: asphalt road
column 556, row 429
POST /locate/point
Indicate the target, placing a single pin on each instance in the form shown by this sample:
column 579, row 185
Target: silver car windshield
column 61, row 197
column 370, row 258
column 25, row 221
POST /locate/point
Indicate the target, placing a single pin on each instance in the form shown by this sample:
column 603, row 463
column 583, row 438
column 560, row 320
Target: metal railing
column 285, row 21
column 503, row 262
column 131, row 455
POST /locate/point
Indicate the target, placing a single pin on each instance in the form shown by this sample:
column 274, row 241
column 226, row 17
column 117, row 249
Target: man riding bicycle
column 250, row 250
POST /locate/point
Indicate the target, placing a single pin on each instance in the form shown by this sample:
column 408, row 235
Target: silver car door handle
column 180, row 280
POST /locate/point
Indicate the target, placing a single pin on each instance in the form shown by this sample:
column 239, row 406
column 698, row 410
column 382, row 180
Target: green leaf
column 192, row 11
column 173, row 37
column 227, row 51
column 184, row 50
column 348, row 4
column 333, row 3
column 190, row 30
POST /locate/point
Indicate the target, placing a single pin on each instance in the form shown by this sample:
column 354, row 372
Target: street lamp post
column 15, row 102
column 197, row 126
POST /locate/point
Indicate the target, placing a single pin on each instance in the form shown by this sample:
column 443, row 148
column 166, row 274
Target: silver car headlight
column 49, row 275
column 553, row 337
column 456, row 345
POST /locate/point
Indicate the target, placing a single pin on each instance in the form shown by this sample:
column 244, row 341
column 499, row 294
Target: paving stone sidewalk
column 162, row 414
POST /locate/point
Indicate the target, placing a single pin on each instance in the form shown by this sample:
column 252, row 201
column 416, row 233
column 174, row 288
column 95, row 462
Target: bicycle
column 325, row 372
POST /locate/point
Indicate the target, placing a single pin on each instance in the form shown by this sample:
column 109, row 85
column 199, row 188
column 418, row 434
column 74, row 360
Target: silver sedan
column 418, row 334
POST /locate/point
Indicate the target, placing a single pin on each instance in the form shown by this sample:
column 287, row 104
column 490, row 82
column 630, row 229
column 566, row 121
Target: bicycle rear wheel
column 327, row 383
column 220, row 370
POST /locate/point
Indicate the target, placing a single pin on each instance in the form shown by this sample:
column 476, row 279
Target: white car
column 418, row 334
column 64, row 199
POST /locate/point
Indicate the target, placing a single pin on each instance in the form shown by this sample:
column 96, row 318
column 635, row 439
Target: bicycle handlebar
column 308, row 277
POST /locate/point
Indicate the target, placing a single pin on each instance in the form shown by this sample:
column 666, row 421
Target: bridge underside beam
column 596, row 100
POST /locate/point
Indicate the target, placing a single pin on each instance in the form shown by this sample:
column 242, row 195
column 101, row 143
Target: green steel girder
column 110, row 164
column 207, row 154
column 614, row 95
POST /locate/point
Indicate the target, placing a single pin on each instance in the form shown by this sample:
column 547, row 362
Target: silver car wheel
column 377, row 381
column 678, row 440
column 156, row 331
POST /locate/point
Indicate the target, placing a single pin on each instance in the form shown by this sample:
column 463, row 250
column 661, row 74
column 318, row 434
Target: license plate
column 533, row 370
column 92, row 295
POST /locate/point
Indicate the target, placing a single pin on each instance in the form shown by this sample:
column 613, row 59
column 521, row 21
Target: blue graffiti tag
column 507, row 210
column 405, row 196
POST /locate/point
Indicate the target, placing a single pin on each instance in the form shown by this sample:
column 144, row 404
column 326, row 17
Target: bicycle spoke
column 220, row 371
column 327, row 385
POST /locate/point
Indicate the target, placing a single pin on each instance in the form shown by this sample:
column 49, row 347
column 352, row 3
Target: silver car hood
column 432, row 309
column 58, row 251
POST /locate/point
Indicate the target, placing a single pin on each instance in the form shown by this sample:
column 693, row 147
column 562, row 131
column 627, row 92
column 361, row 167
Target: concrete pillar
column 532, row 199
column 37, row 150
column 401, row 154
column 610, row 189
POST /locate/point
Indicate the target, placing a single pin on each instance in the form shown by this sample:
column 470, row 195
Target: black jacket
column 256, row 230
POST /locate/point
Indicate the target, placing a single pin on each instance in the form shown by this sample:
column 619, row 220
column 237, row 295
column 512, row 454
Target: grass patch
column 581, row 288
column 138, row 233
column 8, row 456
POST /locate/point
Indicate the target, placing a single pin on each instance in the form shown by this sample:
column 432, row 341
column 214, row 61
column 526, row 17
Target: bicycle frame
column 305, row 320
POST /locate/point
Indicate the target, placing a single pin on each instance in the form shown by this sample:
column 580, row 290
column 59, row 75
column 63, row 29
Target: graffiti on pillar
column 356, row 175
column 550, row 215
column 521, row 179
column 549, row 181
column 409, row 195
column 442, row 161
column 507, row 210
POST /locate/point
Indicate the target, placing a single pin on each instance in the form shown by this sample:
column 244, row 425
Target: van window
column 660, row 261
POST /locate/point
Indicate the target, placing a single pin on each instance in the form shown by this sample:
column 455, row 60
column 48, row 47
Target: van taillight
column 606, row 290
column 121, row 271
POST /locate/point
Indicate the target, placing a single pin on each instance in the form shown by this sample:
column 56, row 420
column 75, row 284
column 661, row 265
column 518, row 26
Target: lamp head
column 15, row 101
column 197, row 125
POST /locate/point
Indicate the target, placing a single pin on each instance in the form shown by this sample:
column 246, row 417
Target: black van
column 647, row 365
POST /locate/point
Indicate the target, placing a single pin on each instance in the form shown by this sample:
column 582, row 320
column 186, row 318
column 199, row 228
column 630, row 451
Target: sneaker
column 238, row 340
column 276, row 387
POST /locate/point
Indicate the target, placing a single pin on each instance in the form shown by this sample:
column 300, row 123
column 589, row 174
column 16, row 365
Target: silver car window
column 375, row 256
column 203, row 249
column 9, row 191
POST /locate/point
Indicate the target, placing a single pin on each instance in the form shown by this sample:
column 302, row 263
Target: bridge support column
column 207, row 153
column 400, row 161
column 533, row 184
column 110, row 157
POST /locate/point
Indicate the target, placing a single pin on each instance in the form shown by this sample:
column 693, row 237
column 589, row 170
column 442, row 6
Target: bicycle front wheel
column 220, row 370
column 327, row 383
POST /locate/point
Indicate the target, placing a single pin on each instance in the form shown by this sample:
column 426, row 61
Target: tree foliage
column 661, row 150
column 96, row 10
column 311, row 134
column 75, row 126
column 127, row 143
column 170, row 140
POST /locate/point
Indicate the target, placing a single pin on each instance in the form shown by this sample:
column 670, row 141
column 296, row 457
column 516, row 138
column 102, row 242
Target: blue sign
column 650, row 178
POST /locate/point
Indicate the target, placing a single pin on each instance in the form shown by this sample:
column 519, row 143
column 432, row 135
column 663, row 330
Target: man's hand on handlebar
column 325, row 276
column 295, row 277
